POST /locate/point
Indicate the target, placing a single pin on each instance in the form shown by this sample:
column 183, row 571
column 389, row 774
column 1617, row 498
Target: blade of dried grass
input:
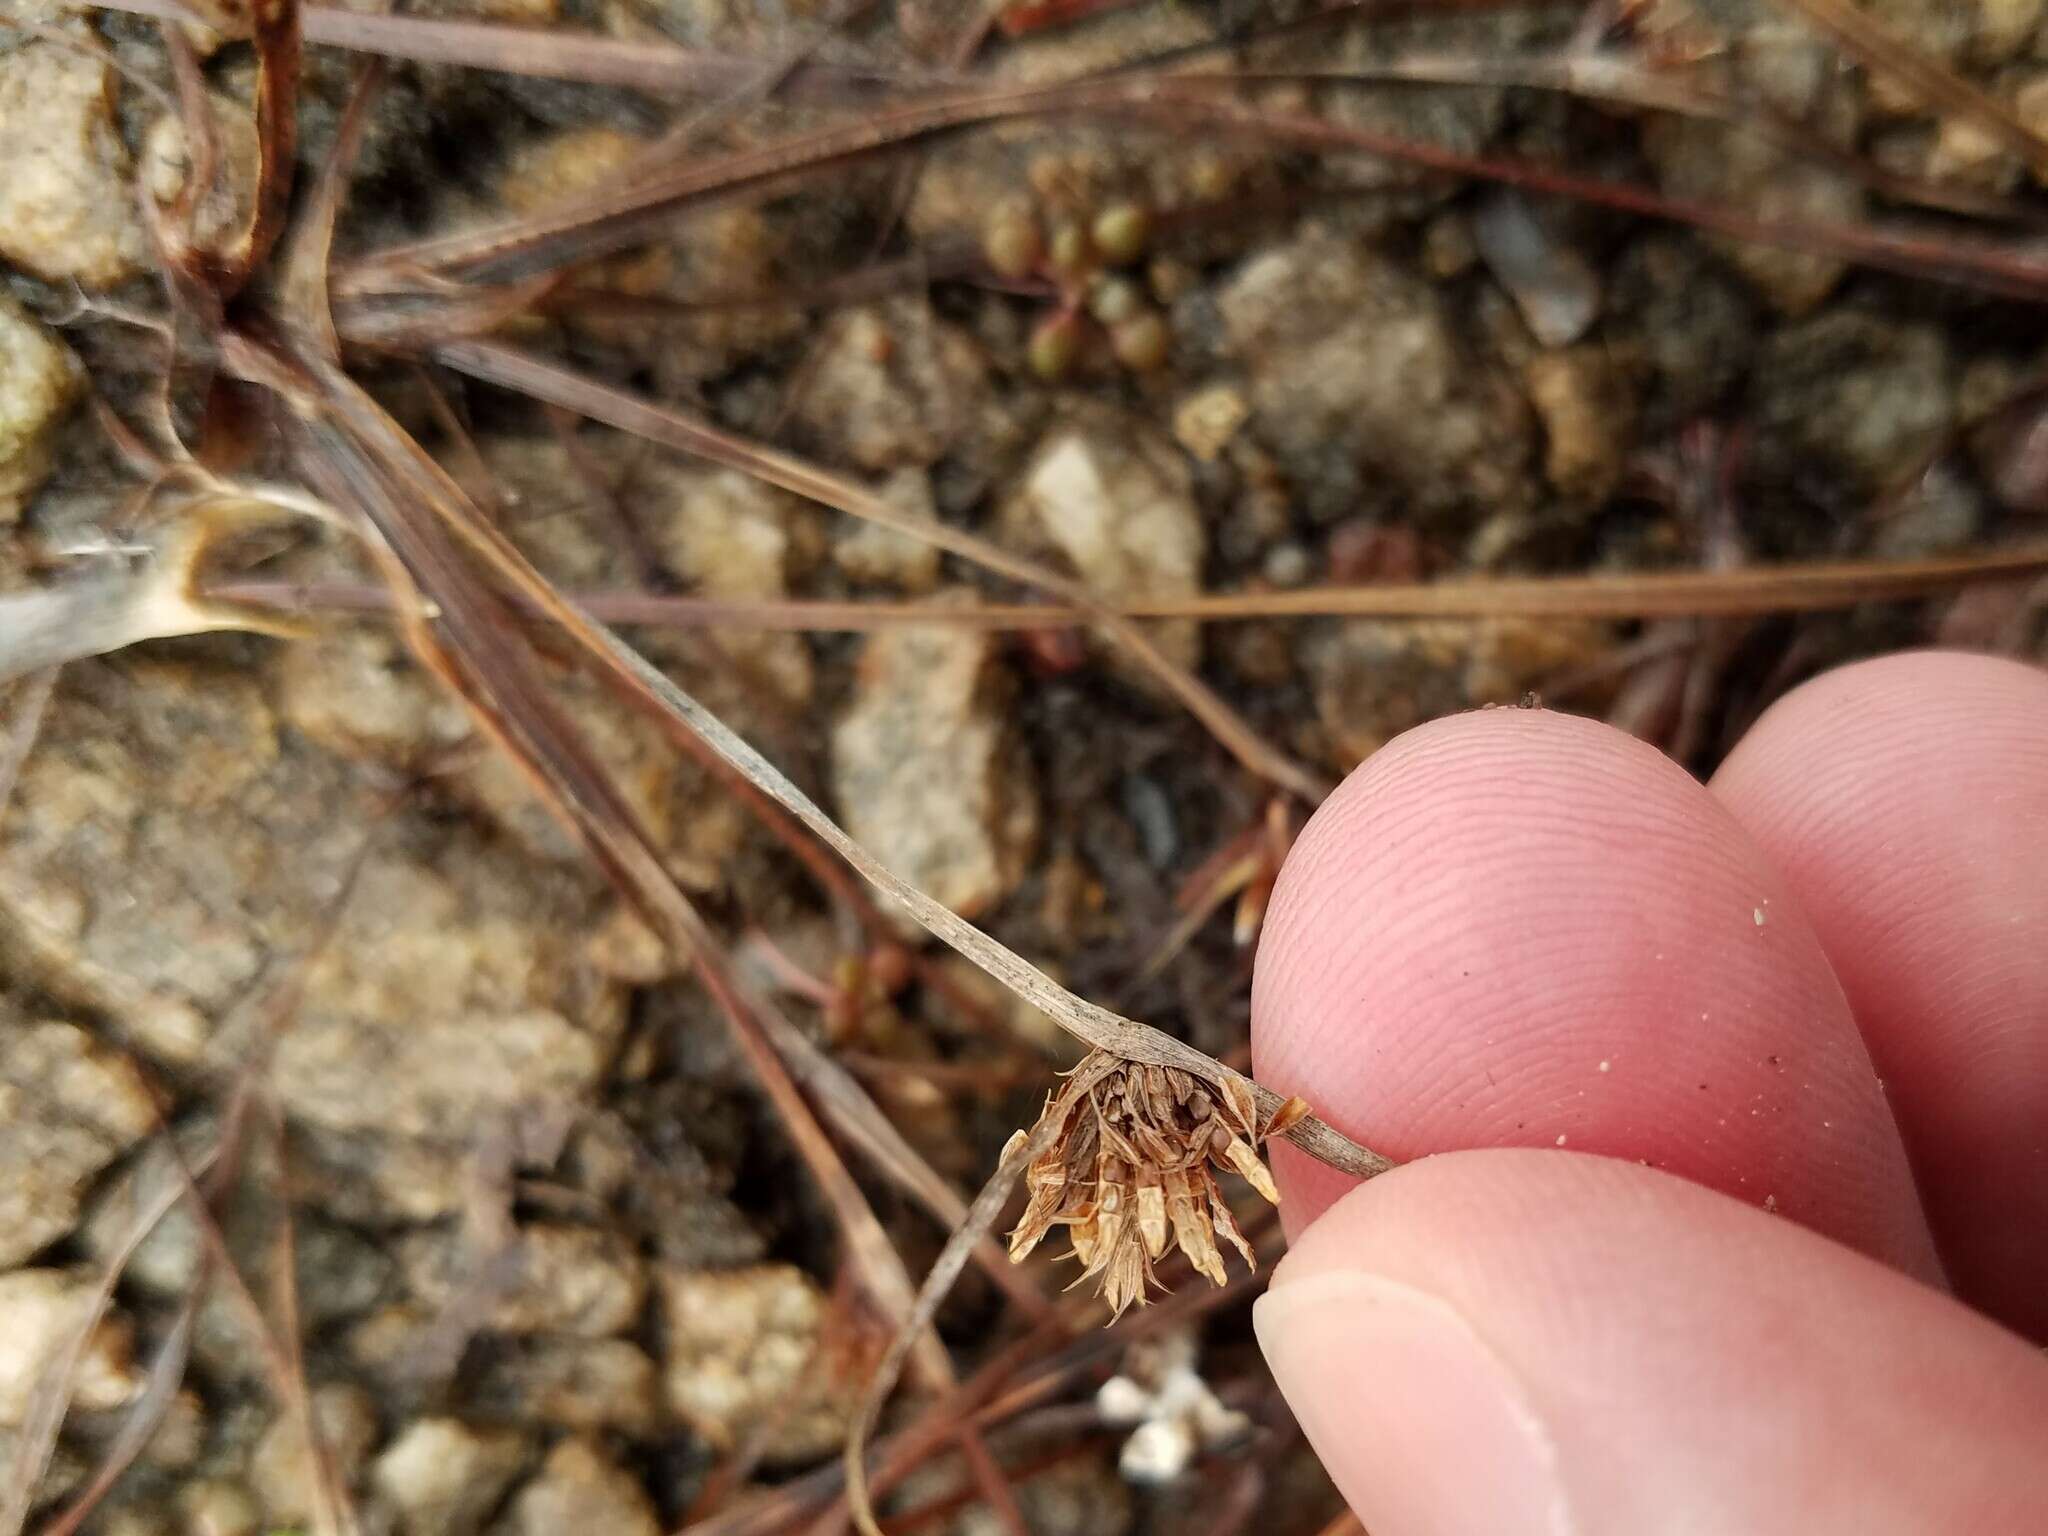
column 617, row 216
column 1754, row 590
column 275, row 30
column 333, row 1513
column 1087, row 1021
column 653, row 65
column 861, row 1124
column 2013, row 268
column 500, row 364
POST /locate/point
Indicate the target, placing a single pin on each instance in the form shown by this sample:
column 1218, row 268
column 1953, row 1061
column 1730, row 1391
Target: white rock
column 40, row 1314
column 1114, row 503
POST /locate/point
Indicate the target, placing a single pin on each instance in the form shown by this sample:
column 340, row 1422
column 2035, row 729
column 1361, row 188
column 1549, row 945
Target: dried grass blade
column 278, row 56
column 555, row 53
column 1750, row 591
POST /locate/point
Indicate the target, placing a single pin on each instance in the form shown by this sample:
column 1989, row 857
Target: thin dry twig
column 652, row 65
column 1752, row 591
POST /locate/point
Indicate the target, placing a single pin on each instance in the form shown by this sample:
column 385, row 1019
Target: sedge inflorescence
column 1130, row 1170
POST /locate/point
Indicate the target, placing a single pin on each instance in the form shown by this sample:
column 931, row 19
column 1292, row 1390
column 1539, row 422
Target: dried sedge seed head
column 1130, row 1171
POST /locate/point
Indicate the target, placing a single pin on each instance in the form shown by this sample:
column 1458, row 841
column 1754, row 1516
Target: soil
column 277, row 915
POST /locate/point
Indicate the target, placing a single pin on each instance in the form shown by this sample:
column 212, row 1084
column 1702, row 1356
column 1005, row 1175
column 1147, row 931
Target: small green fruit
column 1121, row 231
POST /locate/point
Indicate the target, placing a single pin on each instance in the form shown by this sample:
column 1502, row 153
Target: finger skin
column 1906, row 802
column 1670, row 1361
column 1514, row 927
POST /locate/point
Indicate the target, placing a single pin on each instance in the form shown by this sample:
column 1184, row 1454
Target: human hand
column 1520, row 930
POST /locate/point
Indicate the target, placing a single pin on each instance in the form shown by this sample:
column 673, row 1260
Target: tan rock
column 1708, row 162
column 579, row 1384
column 66, row 208
column 1356, row 373
column 1206, row 421
column 442, row 1477
column 217, row 1506
column 580, row 1489
column 68, row 1108
column 1587, row 416
column 1375, row 678
column 926, row 770
column 893, row 386
column 229, row 203
column 281, row 1467
column 39, row 381
column 870, row 552
column 743, row 1351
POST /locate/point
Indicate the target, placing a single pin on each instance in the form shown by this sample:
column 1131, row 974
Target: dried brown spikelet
column 1129, row 1171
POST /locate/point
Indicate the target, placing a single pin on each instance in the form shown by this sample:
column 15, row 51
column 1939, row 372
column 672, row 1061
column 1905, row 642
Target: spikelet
column 1130, row 1170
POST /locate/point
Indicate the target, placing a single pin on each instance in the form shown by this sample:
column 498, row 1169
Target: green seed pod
column 1055, row 341
column 1113, row 300
column 1120, row 232
column 1011, row 242
column 1142, row 342
column 1069, row 253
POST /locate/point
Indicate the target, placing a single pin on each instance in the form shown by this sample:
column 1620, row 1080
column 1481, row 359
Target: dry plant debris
column 1127, row 1170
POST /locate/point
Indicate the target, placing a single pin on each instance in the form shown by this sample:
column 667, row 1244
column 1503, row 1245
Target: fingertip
column 1515, row 927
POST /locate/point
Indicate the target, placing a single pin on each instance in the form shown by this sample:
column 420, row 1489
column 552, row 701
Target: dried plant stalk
column 1128, row 1170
